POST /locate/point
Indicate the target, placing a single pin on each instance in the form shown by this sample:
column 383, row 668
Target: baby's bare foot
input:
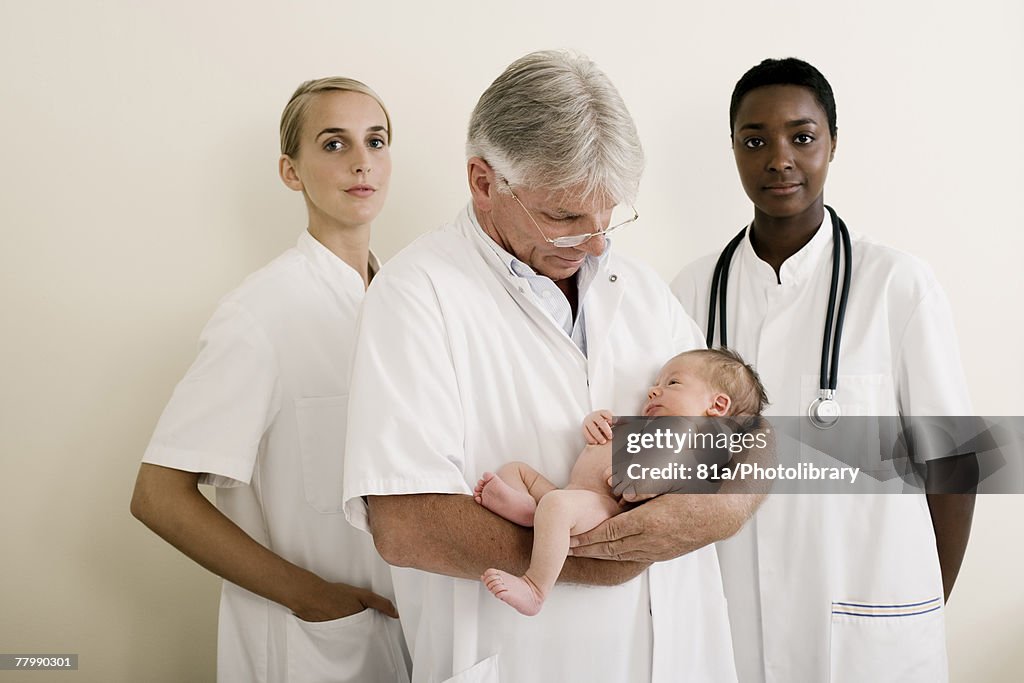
column 501, row 499
column 518, row 592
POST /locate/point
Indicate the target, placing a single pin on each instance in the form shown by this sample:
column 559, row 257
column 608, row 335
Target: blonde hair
column 294, row 113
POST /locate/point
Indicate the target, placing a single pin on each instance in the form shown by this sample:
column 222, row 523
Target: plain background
column 139, row 185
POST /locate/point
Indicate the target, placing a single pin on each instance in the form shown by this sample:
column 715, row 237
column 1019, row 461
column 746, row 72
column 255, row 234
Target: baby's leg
column 560, row 514
column 513, row 493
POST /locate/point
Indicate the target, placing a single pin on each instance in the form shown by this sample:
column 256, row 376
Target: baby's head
column 713, row 382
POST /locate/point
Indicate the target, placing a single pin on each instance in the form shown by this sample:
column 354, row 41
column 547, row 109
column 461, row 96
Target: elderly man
column 488, row 340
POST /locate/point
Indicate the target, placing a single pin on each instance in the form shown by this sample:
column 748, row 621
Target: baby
column 715, row 383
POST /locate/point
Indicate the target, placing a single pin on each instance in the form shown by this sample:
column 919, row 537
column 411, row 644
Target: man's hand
column 673, row 524
column 337, row 600
column 645, row 533
column 626, row 491
column 597, row 427
column 666, row 527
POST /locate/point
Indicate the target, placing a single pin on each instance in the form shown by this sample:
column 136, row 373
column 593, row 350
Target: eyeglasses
column 571, row 240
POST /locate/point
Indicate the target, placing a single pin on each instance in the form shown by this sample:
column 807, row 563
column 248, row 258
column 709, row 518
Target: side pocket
column 359, row 648
column 321, row 425
column 484, row 671
column 888, row 643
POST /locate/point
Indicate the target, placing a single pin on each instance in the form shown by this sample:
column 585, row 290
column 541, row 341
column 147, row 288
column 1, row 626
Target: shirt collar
column 801, row 265
column 328, row 263
column 518, row 268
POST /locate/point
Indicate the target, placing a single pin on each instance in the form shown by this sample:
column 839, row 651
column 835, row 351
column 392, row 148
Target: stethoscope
column 824, row 411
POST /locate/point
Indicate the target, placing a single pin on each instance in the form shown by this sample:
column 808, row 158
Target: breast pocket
column 321, row 425
column 363, row 647
column 864, row 435
column 867, row 394
column 888, row 643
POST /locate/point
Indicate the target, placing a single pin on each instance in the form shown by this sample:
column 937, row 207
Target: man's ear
column 289, row 176
column 482, row 181
column 720, row 405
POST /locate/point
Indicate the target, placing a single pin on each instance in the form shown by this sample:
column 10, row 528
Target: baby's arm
column 597, row 427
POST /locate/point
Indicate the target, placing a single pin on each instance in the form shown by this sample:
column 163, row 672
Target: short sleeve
column 406, row 421
column 684, row 288
column 930, row 379
column 219, row 411
column 686, row 333
column 691, row 287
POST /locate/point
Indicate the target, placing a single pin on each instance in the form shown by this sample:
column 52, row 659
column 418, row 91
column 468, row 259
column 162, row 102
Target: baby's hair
column 727, row 372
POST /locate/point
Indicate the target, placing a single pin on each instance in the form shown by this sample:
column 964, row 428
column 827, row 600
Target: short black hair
column 788, row 71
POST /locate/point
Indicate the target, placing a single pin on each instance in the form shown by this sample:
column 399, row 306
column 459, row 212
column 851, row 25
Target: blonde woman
column 261, row 416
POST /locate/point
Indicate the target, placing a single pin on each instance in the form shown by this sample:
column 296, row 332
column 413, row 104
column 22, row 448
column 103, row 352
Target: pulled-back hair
column 788, row 71
column 553, row 119
column 294, row 114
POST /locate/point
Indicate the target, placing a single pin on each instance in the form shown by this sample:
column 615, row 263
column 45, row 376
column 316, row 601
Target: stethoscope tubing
column 721, row 275
column 839, row 230
column 832, row 338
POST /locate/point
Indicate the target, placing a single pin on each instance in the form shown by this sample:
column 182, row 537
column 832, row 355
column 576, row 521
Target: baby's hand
column 597, row 427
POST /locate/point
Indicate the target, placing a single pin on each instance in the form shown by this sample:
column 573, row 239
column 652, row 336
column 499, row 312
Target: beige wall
column 139, row 185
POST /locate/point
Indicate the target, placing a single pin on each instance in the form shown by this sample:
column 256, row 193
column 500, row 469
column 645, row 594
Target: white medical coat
column 838, row 587
column 458, row 371
column 262, row 413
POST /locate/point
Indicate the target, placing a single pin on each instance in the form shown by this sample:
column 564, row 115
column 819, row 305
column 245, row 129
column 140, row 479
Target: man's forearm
column 452, row 534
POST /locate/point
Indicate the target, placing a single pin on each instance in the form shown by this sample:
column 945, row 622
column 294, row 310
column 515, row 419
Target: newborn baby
column 713, row 383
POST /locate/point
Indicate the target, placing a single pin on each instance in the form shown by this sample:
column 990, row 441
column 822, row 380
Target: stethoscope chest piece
column 824, row 412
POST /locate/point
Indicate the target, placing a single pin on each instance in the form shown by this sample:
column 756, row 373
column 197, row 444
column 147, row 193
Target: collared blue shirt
column 546, row 293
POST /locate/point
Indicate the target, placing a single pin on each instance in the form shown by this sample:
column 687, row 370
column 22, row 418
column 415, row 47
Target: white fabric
column 458, row 371
column 262, row 413
column 801, row 554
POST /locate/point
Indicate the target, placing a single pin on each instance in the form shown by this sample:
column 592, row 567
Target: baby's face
column 680, row 390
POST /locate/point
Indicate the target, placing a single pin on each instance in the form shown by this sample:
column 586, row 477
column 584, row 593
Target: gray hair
column 554, row 119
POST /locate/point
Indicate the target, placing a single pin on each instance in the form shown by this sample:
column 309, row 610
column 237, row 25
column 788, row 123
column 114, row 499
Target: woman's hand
column 338, row 600
column 169, row 502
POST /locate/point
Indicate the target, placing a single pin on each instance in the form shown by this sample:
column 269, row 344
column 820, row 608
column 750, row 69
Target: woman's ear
column 289, row 176
column 720, row 404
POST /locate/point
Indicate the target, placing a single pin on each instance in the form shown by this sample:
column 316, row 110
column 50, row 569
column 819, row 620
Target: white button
column 613, row 277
